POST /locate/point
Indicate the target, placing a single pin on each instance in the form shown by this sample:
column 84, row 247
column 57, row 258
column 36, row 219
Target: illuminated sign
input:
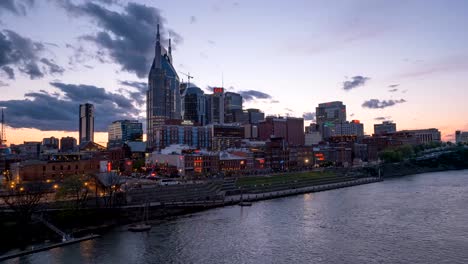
column 356, row 121
column 218, row 90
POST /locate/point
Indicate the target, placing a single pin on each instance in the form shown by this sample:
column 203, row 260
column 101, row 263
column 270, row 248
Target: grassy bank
column 283, row 178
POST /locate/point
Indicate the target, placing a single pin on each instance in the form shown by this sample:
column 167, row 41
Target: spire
column 158, row 37
column 157, row 51
column 170, row 47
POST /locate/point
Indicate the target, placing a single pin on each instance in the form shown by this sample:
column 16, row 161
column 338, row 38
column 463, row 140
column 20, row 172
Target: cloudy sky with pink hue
column 402, row 60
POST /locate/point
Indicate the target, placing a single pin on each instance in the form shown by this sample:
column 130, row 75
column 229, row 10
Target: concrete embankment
column 44, row 248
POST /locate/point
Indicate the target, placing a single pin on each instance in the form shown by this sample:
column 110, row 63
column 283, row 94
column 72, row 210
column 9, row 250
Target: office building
column 194, row 105
column 353, row 128
column 289, row 128
column 225, row 136
column 163, row 96
column 330, row 113
column 424, row 136
column 233, row 108
column 67, row 144
column 461, row 137
column 86, row 132
column 385, row 128
column 255, row 115
column 123, row 131
column 215, row 106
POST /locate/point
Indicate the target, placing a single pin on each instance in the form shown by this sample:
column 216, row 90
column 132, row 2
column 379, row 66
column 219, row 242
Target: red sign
column 218, row 90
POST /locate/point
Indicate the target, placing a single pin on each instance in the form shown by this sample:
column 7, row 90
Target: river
column 414, row 219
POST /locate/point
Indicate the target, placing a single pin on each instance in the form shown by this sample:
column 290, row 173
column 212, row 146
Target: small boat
column 139, row 227
column 143, row 226
column 245, row 204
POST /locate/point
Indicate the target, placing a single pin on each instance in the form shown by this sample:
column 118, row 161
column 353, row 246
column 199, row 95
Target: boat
column 139, row 227
column 245, row 204
column 143, row 226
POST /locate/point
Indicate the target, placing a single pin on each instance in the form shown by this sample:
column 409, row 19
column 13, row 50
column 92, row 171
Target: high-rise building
column 163, row 96
column 330, row 113
column 461, row 137
column 233, row 108
column 123, row 131
column 86, row 123
column 384, row 128
column 67, row 144
column 215, row 106
column 194, row 105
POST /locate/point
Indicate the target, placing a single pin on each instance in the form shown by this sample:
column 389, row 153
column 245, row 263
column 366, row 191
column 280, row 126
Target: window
column 53, row 167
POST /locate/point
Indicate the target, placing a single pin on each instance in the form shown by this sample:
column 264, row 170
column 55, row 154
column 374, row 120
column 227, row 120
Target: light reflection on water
column 417, row 219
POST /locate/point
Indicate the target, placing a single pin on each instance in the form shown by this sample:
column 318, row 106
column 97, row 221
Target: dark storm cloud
column 253, row 95
column 376, row 103
column 355, row 82
column 23, row 54
column 9, row 71
column 127, row 36
column 17, row 7
column 90, row 93
column 53, row 111
column 140, row 86
column 53, row 67
column 309, row 116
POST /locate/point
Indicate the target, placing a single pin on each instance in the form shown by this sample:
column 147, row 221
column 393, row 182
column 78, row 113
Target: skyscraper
column 215, row 106
column 232, row 107
column 194, row 105
column 86, row 123
column 163, row 96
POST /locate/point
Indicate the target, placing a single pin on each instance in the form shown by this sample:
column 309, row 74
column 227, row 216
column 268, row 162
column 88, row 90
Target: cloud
column 356, row 82
column 193, row 20
column 126, row 36
column 394, row 85
column 90, row 93
column 445, row 65
column 17, row 7
column 376, row 103
column 393, row 90
column 9, row 71
column 382, row 118
column 140, row 86
column 351, row 115
column 23, row 54
column 53, row 67
column 309, row 116
column 211, row 42
column 2, row 84
column 250, row 95
column 59, row 111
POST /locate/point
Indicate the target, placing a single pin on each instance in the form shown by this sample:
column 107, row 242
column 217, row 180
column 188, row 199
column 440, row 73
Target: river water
column 414, row 219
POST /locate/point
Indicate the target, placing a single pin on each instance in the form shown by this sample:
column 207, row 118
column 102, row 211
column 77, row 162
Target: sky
column 401, row 60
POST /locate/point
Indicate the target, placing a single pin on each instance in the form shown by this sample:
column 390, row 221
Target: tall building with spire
column 163, row 95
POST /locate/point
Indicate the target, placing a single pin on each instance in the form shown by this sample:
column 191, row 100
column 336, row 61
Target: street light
column 55, row 186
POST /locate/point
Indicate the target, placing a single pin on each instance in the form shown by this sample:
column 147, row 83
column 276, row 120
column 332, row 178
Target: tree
column 76, row 188
column 24, row 200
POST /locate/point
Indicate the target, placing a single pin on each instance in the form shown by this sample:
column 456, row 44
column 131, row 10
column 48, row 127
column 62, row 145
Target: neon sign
column 218, row 90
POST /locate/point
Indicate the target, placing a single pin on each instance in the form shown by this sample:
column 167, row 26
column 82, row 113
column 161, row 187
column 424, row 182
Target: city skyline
column 382, row 69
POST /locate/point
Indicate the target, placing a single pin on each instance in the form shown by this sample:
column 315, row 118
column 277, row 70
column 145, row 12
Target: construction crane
column 188, row 77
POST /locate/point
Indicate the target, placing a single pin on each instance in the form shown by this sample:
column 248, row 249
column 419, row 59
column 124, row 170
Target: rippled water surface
column 415, row 219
